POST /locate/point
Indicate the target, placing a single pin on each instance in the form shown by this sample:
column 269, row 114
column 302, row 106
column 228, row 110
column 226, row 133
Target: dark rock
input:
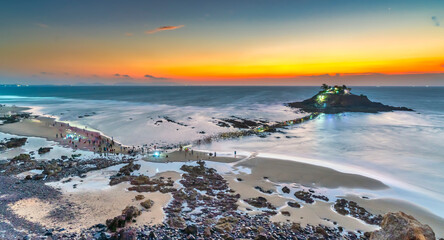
column 131, row 212
column 191, row 229
column 147, row 204
column 345, row 207
column 321, row 231
column 262, row 190
column 139, row 197
column 117, row 222
column 304, row 196
column 261, row 237
column 322, row 197
column 117, row 180
column 285, row 213
column 15, row 142
column 294, row 204
column 128, row 169
column 285, row 189
column 44, row 150
column 23, row 157
column 125, row 234
column 259, row 202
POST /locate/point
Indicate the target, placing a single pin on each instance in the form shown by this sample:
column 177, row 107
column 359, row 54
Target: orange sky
column 392, row 41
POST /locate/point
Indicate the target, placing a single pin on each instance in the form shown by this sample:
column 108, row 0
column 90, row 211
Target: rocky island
column 338, row 99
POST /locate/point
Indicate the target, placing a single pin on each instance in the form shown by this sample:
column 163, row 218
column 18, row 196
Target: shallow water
column 404, row 149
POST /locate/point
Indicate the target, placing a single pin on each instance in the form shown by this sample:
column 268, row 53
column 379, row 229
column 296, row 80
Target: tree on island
column 325, row 87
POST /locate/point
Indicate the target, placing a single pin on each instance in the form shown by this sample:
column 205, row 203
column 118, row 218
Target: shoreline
column 265, row 173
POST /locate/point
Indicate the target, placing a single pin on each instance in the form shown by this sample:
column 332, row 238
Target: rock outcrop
column 147, row 204
column 334, row 100
column 44, row 150
column 401, row 226
column 15, row 142
column 128, row 214
column 345, row 207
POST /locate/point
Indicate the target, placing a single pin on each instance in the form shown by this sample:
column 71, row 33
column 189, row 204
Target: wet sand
column 286, row 171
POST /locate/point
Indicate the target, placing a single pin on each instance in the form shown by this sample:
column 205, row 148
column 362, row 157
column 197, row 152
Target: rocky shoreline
column 202, row 205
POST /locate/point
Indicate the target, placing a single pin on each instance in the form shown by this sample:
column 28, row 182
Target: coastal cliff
column 339, row 99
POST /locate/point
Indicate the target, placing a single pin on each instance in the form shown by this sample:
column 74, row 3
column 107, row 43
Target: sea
column 405, row 150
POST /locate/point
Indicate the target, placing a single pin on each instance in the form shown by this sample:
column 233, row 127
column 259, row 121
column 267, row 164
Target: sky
column 275, row 42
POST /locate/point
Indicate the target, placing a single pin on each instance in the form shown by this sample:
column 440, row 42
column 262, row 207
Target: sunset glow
column 219, row 44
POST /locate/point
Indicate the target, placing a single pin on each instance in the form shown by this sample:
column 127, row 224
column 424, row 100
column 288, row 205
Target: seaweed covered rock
column 259, row 202
column 400, row 226
column 345, row 207
column 304, row 196
column 23, row 157
column 128, row 214
column 44, row 150
column 139, row 197
column 294, row 204
column 15, row 142
column 129, row 168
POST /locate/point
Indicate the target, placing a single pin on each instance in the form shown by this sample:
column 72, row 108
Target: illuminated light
column 321, row 98
column 156, row 154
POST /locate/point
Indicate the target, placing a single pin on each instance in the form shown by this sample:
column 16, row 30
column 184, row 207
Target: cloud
column 46, row 73
column 436, row 21
column 128, row 34
column 164, row 28
column 154, row 78
column 41, row 25
column 122, row 75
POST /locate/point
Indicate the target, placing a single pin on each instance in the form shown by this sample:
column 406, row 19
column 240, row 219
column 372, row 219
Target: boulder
column 286, row 213
column 125, row 234
column 147, row 203
column 225, row 224
column 15, row 142
column 176, row 222
column 23, row 157
column 304, row 196
column 259, row 202
column 44, row 150
column 128, row 169
column 400, row 226
column 285, row 189
column 130, row 213
column 140, row 180
column 139, row 197
column 191, row 229
column 117, row 180
column 294, row 204
column 114, row 223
